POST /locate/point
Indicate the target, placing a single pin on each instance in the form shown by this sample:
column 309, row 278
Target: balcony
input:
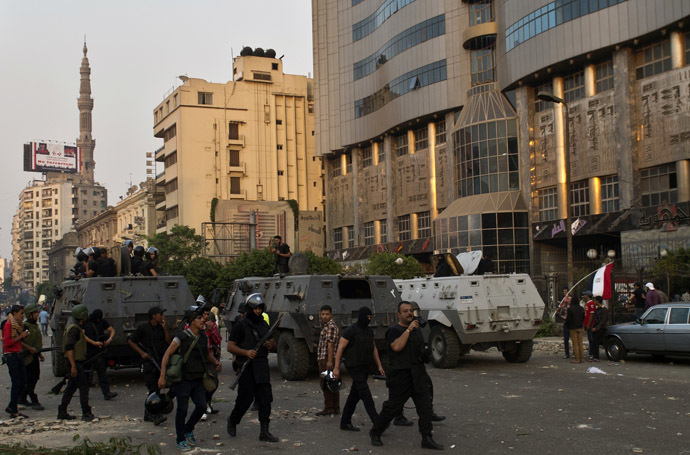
column 472, row 38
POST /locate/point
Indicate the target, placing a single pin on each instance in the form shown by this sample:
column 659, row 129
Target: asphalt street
column 546, row 405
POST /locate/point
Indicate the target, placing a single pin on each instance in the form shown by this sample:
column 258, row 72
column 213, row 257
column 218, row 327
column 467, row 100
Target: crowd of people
column 135, row 260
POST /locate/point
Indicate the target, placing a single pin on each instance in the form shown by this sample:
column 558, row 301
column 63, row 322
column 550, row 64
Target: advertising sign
column 51, row 157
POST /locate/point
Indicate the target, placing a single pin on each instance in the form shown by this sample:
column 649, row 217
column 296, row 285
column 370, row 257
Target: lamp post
column 568, row 222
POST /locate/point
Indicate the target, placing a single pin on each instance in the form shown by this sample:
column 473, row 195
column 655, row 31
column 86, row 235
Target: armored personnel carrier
column 301, row 298
column 125, row 302
column 477, row 312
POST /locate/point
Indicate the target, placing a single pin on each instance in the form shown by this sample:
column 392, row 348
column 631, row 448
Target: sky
column 136, row 51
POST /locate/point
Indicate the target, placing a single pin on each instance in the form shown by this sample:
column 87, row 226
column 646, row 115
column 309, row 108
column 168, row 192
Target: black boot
column 375, row 439
column 266, row 435
column 437, row 418
column 62, row 414
column 401, row 421
column 232, row 428
column 429, row 443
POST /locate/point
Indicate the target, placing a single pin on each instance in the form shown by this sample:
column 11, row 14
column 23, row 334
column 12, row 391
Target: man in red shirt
column 590, row 309
column 13, row 334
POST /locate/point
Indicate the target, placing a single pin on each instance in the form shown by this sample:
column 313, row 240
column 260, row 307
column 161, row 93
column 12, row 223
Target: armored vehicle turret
column 125, row 302
column 477, row 312
column 301, row 297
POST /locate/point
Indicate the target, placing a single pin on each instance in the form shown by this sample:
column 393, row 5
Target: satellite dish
column 470, row 261
column 246, row 51
column 270, row 53
column 258, row 52
column 298, row 264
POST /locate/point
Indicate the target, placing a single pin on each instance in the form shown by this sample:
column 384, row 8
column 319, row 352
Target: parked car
column 662, row 330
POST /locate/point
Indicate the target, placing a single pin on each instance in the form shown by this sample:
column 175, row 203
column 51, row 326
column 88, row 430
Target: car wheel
column 615, row 350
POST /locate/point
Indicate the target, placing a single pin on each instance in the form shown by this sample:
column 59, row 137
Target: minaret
column 85, row 104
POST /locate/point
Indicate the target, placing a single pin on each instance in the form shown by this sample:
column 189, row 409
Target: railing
column 225, row 241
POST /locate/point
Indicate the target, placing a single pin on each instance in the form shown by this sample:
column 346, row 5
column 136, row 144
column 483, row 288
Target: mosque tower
column 85, row 103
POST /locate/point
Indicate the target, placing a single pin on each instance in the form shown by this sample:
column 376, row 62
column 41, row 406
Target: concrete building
column 61, row 257
column 50, row 208
column 250, row 139
column 137, row 217
column 623, row 69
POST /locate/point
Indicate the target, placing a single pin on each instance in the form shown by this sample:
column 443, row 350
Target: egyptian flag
column 601, row 283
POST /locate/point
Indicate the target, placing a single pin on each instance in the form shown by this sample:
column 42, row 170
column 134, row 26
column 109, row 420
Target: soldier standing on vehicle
column 328, row 346
column 255, row 383
column 150, row 340
column 358, row 347
column 13, row 336
column 137, row 260
column 150, row 266
column 282, row 254
column 33, row 359
column 407, row 378
column 99, row 334
column 74, row 349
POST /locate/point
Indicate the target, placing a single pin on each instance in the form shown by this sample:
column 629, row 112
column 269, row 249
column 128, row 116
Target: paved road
column 544, row 406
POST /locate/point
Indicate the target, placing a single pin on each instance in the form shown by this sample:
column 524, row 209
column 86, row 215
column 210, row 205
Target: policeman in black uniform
column 99, row 334
column 74, row 348
column 150, row 266
column 137, row 260
column 255, row 382
column 154, row 338
column 407, row 377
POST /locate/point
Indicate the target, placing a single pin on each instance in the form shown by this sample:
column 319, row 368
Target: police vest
column 35, row 339
column 360, row 351
column 79, row 346
column 252, row 334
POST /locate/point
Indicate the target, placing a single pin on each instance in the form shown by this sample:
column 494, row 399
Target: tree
column 46, row 288
column 387, row 264
column 7, row 284
column 177, row 249
column 201, row 274
column 322, row 265
column 674, row 268
column 254, row 263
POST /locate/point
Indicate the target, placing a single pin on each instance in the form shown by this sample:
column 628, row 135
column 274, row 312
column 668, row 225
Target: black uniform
column 136, row 265
column 282, row 261
column 152, row 338
column 255, row 382
column 407, row 378
column 96, row 329
column 106, row 267
column 147, row 266
column 74, row 341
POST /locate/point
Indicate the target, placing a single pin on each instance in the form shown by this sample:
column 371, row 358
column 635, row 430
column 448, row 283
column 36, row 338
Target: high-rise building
column 248, row 139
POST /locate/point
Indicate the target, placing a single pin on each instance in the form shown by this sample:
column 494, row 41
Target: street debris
column 595, row 370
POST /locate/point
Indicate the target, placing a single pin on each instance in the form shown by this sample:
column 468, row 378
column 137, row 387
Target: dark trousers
column 598, row 337
column 358, row 391
column 184, row 390
column 33, row 374
column 81, row 382
column 101, row 369
column 331, row 400
column 17, row 370
column 592, row 345
column 249, row 391
column 566, row 340
column 401, row 387
column 151, row 375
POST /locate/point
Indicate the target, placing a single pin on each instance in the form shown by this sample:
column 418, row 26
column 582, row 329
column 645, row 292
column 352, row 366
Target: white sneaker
column 208, row 410
column 204, row 417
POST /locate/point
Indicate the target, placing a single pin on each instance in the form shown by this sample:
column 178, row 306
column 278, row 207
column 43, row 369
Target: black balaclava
column 363, row 320
column 252, row 316
column 96, row 316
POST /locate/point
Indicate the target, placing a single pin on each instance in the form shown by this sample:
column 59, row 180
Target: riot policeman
column 137, row 259
column 255, row 383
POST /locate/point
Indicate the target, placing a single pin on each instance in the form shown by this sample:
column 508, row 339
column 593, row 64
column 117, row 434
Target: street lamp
column 568, row 222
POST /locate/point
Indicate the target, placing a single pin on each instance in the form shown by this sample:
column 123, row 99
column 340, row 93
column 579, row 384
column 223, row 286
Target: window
column 481, row 12
column 483, row 65
column 543, row 105
column 574, row 87
column 656, row 316
column 382, row 153
column 366, row 156
column 423, row 225
column 548, row 204
column 235, row 185
column 441, row 132
column 205, row 98
column 348, row 163
column 261, row 76
column 171, row 186
column 234, row 158
column 679, row 316
column 170, row 133
column 350, row 236
column 172, row 213
column 404, row 228
column 170, row 159
column 338, row 238
column 604, row 76
column 659, row 185
column 274, row 66
column 401, row 145
column 653, row 59
column 579, row 198
column 175, row 100
column 421, row 138
column 383, row 231
column 233, row 131
column 609, row 194
column 367, row 25
column 337, row 166
column 369, row 233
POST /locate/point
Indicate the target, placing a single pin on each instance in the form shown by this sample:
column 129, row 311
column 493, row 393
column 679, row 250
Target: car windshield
column 656, row 316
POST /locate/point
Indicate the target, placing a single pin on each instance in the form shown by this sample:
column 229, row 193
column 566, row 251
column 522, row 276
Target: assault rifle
column 26, row 353
column 58, row 387
column 260, row 343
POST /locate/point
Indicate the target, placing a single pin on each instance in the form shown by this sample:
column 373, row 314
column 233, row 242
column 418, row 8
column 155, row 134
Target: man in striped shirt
column 328, row 346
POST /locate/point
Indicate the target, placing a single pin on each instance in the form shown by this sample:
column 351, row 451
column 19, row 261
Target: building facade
column 622, row 69
column 249, row 139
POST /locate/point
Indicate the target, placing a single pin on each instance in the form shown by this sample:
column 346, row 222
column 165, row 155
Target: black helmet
column 254, row 301
column 330, row 382
column 159, row 403
column 139, row 251
column 192, row 312
column 96, row 252
column 81, row 255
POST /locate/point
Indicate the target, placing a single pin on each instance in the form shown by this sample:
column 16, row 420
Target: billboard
column 51, row 157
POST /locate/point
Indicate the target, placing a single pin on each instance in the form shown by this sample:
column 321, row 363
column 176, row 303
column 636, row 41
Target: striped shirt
column 329, row 334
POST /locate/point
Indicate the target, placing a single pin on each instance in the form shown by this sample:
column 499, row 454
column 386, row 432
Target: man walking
column 282, row 254
column 407, row 378
column 150, row 341
column 99, row 334
column 13, row 336
column 590, row 308
column 601, row 321
column 43, row 319
column 74, row 348
column 328, row 346
column 33, row 360
column 638, row 299
column 652, row 298
column 255, row 382
column 574, row 321
column 193, row 346
column 358, row 348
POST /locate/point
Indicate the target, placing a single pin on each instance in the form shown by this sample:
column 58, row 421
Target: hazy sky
column 136, row 50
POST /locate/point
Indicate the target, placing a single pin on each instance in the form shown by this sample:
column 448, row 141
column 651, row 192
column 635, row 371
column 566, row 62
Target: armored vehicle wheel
column 293, row 357
column 445, row 347
column 521, row 353
column 615, row 350
column 59, row 362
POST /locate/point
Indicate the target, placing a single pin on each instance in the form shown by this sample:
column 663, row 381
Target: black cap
column 156, row 310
